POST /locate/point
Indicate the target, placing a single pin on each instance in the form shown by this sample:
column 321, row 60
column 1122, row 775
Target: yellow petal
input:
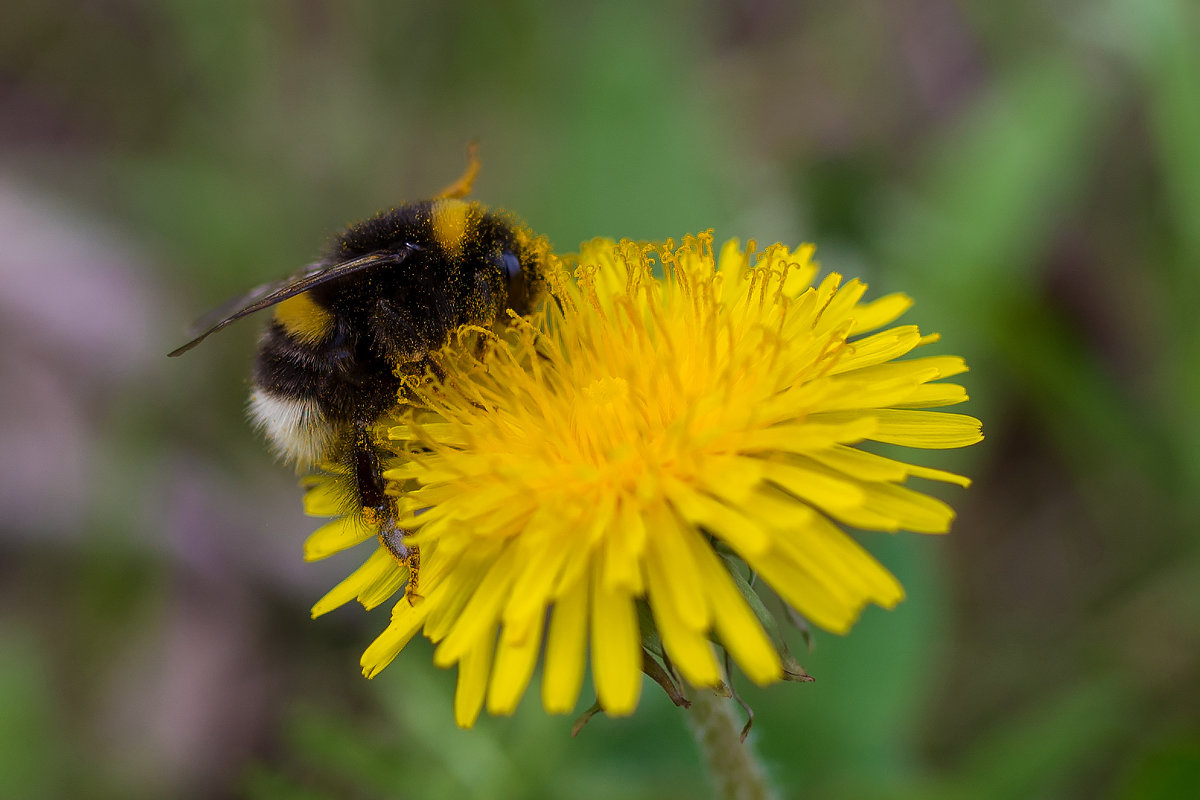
column 473, row 680
column 803, row 437
column 732, row 478
column 860, row 464
column 852, row 393
column 934, row 395
column 941, row 366
column 931, row 430
column 878, row 348
column 669, row 567
column 911, row 510
column 736, row 624
column 480, row 615
column 799, row 588
column 537, row 576
column 841, row 564
column 566, row 648
column 686, row 646
column 725, row 522
column 731, row 267
column 877, row 313
column 515, row 660
column 333, row 537
column 874, row 467
column 932, row 474
column 441, row 432
column 801, row 270
column 616, row 650
column 357, row 582
column 624, row 548
column 386, row 585
column 325, row 499
column 406, row 621
column 452, row 593
column 822, row 490
column 777, row 511
column 842, row 304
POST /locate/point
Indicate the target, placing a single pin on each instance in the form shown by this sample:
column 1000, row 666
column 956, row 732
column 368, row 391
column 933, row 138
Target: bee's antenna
column 462, row 187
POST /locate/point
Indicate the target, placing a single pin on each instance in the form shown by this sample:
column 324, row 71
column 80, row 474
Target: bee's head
column 523, row 267
column 513, row 259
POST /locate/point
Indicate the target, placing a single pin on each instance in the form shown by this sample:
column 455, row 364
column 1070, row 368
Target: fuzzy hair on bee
column 335, row 353
column 348, row 329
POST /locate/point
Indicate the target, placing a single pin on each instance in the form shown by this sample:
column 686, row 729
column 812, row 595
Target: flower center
column 607, row 391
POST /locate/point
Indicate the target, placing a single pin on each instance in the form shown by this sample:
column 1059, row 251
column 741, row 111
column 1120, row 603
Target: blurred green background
column 1029, row 171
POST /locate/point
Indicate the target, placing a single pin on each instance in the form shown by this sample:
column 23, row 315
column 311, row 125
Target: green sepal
column 651, row 641
column 592, row 711
column 792, row 670
column 659, row 675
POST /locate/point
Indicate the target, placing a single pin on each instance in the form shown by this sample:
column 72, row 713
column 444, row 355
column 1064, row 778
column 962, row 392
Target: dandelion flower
column 614, row 466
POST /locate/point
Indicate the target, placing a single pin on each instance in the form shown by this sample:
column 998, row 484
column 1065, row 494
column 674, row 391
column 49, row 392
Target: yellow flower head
column 611, row 465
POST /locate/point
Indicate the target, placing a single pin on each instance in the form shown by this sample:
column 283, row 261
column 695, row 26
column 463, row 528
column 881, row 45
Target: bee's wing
column 271, row 293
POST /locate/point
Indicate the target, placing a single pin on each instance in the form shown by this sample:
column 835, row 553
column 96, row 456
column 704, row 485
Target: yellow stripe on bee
column 450, row 218
column 303, row 319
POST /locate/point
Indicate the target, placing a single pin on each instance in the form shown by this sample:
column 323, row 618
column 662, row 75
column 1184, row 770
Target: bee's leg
column 462, row 187
column 368, row 479
column 413, row 562
column 380, row 509
column 392, row 537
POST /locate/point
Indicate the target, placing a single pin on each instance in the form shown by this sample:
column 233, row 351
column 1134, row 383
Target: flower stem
column 734, row 769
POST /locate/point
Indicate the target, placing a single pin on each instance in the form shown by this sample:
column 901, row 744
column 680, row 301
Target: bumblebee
column 348, row 329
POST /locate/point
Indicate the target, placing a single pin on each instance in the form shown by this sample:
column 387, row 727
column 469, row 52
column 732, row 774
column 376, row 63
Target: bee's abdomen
column 304, row 320
column 296, row 427
column 309, row 388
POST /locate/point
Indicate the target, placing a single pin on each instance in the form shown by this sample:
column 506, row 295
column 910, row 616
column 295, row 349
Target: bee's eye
column 510, row 263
